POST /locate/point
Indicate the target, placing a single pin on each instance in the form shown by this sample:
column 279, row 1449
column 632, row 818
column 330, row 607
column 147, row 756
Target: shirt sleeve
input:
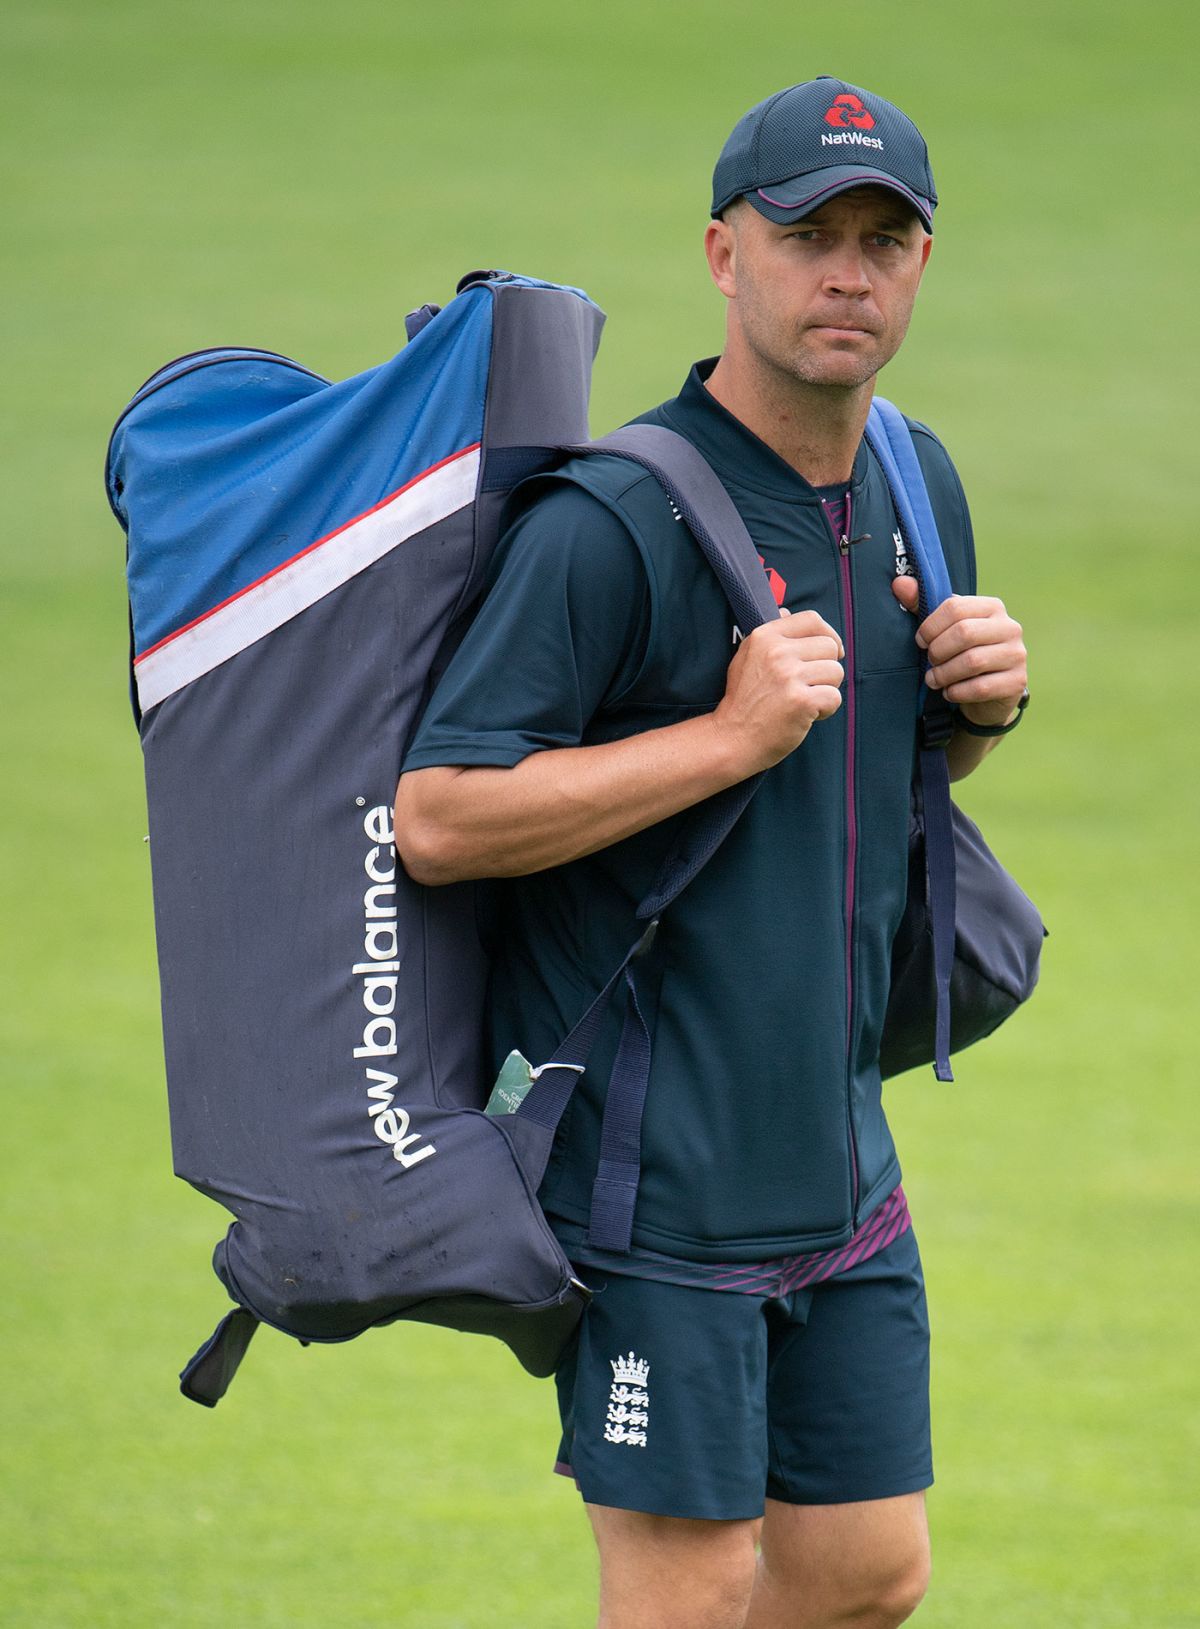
column 561, row 631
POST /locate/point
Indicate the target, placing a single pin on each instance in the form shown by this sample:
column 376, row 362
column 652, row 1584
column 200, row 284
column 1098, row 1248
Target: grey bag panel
column 542, row 355
column 544, row 343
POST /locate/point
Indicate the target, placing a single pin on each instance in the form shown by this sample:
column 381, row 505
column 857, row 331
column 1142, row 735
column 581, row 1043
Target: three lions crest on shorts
column 628, row 1402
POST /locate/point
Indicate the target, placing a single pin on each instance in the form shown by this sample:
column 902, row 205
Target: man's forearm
column 965, row 752
column 554, row 806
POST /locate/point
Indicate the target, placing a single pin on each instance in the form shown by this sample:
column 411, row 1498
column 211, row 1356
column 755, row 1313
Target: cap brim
column 788, row 201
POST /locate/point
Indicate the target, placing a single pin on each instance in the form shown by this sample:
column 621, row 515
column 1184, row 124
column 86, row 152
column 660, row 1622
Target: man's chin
column 837, row 372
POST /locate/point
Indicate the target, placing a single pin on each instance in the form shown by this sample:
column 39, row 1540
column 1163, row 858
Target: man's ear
column 720, row 246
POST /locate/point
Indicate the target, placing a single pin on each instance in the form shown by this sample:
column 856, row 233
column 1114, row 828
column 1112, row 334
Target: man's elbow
column 425, row 859
column 425, row 843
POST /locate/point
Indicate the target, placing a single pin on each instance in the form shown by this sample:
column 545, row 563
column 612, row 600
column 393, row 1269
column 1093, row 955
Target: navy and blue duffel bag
column 301, row 556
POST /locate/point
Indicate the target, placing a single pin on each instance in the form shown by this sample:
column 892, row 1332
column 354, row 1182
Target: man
column 754, row 1371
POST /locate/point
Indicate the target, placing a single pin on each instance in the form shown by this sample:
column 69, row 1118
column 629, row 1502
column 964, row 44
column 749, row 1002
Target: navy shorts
column 694, row 1402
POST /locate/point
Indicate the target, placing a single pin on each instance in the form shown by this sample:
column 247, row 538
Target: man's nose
column 847, row 273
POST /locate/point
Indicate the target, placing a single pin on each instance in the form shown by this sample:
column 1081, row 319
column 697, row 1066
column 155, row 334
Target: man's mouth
column 842, row 330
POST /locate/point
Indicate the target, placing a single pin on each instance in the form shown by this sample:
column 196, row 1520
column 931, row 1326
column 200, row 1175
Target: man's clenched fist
column 976, row 652
column 783, row 678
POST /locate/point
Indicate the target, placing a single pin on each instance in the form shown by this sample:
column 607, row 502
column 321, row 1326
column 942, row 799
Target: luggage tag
column 516, row 1076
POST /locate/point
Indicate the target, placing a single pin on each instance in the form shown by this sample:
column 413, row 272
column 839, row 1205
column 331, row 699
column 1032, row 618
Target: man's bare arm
column 453, row 823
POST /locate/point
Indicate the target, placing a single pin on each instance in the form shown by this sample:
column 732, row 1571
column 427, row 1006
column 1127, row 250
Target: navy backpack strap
column 891, row 441
column 696, row 491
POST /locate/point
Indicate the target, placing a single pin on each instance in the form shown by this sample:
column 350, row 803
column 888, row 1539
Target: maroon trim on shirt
column 772, row 1279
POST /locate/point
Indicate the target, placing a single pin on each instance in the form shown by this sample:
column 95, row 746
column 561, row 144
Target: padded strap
column 891, row 441
column 696, row 491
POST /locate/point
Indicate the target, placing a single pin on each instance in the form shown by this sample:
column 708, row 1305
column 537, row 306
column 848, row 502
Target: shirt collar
column 733, row 450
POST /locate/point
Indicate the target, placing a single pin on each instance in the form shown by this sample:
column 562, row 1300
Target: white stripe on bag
column 283, row 593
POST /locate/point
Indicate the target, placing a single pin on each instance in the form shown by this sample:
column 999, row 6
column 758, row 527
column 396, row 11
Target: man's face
column 825, row 300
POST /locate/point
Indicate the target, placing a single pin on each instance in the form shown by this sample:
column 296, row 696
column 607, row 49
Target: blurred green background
column 296, row 176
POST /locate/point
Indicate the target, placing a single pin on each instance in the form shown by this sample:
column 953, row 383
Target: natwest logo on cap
column 848, row 112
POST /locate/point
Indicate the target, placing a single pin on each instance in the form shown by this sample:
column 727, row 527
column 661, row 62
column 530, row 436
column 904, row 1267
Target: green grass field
column 297, row 176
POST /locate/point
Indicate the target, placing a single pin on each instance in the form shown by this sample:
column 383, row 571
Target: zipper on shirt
column 843, row 545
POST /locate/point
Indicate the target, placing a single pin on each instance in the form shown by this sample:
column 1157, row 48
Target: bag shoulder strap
column 697, row 492
column 891, row 441
column 694, row 488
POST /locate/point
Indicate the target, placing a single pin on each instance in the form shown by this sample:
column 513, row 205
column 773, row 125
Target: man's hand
column 783, row 678
column 976, row 653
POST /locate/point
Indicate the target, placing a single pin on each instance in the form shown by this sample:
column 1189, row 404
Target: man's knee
column 858, row 1595
column 664, row 1572
column 863, row 1566
column 896, row 1593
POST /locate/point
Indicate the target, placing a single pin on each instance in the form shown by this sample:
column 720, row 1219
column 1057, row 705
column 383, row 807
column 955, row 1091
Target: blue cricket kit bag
column 302, row 558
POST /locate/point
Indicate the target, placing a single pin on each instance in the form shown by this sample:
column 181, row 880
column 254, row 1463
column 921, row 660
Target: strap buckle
column 936, row 723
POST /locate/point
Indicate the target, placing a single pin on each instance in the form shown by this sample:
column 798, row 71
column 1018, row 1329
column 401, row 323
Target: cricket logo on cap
column 848, row 112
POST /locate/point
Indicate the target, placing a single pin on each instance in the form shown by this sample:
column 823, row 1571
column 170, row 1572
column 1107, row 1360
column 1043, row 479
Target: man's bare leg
column 852, row 1566
column 664, row 1572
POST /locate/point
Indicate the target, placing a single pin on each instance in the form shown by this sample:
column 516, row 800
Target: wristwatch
column 964, row 723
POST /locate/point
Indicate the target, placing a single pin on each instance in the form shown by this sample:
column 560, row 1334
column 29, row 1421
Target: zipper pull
column 847, row 543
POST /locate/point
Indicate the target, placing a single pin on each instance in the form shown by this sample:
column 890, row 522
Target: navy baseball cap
column 805, row 145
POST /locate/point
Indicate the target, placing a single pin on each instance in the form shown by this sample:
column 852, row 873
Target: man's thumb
column 906, row 591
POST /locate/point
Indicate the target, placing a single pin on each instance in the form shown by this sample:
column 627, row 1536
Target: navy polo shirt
column 765, row 991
